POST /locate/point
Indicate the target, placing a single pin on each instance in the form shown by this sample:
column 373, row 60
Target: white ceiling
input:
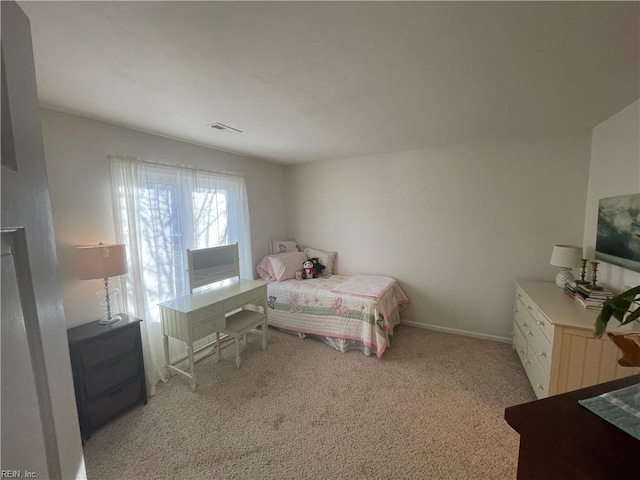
column 325, row 80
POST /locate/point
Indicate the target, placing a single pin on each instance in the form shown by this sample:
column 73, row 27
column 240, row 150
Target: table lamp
column 102, row 261
column 566, row 257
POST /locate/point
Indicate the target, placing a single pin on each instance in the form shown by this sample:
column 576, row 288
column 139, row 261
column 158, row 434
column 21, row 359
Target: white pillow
column 285, row 265
column 326, row 258
column 281, row 246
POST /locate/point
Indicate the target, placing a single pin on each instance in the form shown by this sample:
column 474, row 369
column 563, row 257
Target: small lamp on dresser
column 102, row 261
column 566, row 257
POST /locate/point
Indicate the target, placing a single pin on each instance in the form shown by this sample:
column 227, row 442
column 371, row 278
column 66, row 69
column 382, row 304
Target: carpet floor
column 431, row 408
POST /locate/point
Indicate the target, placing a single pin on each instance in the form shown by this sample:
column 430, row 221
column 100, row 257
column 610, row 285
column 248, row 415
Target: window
column 161, row 211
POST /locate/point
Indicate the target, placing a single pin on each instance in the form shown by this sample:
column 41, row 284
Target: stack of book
column 571, row 289
column 588, row 297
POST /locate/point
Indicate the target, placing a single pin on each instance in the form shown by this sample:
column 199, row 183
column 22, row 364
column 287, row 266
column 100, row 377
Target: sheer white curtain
column 161, row 211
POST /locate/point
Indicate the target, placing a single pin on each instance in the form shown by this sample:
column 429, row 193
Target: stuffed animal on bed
column 309, row 270
column 317, row 265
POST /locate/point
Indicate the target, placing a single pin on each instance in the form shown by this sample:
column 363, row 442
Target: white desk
column 192, row 317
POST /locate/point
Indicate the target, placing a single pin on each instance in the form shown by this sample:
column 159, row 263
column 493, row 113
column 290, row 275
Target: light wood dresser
column 553, row 336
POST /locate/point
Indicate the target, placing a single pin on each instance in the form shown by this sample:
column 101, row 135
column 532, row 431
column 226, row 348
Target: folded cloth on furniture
column 620, row 408
column 367, row 286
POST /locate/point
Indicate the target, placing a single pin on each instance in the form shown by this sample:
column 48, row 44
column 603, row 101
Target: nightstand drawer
column 108, row 346
column 240, row 300
column 207, row 328
column 111, row 374
column 103, row 409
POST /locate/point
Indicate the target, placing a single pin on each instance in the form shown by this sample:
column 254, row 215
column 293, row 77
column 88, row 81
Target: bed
column 357, row 311
column 344, row 319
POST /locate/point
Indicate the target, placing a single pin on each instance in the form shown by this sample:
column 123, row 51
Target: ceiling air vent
column 223, row 128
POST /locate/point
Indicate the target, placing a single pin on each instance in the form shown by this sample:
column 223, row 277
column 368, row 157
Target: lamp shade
column 566, row 256
column 101, row 261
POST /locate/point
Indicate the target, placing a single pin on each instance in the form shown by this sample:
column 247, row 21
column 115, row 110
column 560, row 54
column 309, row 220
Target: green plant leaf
column 632, row 292
column 635, row 315
column 617, row 306
column 619, row 302
column 603, row 318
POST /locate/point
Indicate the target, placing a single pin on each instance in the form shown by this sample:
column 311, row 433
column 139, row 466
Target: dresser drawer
column 529, row 316
column 540, row 346
column 103, row 409
column 538, row 378
column 524, row 298
column 543, row 323
column 240, row 300
column 207, row 328
column 207, row 313
column 522, row 316
column 106, row 347
column 111, row 374
column 519, row 343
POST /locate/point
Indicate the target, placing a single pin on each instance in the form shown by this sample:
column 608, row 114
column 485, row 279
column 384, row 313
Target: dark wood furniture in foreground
column 108, row 371
column 560, row 439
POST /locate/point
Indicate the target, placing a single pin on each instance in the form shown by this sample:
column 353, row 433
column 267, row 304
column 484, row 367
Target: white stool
column 241, row 323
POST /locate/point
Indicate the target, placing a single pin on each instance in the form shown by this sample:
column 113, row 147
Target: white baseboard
column 457, row 331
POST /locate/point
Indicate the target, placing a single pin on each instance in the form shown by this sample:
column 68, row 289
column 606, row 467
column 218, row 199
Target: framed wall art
column 618, row 238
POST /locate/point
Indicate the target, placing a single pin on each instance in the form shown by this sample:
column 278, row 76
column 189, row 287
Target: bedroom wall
column 615, row 170
column 76, row 151
column 455, row 225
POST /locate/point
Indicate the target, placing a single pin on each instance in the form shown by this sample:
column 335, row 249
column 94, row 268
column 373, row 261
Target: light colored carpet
column 431, row 408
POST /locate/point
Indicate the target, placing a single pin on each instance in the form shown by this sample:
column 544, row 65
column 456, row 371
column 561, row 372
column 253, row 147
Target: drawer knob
column 525, row 325
column 540, row 323
column 521, row 351
column 530, row 333
column 543, row 353
column 529, row 307
column 539, row 387
column 527, row 362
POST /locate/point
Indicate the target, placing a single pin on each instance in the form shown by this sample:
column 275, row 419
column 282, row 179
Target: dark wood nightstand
column 108, row 371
